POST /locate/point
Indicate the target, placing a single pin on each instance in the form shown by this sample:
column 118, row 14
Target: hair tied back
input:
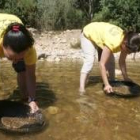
column 15, row 28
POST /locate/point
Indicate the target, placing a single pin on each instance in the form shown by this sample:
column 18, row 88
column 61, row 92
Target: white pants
column 89, row 51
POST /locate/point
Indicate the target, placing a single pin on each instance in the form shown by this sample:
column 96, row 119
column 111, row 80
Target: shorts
column 19, row 66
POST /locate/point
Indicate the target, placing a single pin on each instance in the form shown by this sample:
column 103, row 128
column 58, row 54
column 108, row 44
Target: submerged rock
column 53, row 110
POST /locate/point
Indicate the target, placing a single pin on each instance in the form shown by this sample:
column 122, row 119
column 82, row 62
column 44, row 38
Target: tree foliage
column 88, row 7
column 69, row 14
column 124, row 13
column 58, row 14
column 25, row 9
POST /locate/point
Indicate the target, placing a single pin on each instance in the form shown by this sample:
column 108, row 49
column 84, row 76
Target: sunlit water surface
column 93, row 116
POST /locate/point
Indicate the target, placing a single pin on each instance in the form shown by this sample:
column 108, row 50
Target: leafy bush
column 63, row 14
column 58, row 14
column 124, row 13
column 25, row 9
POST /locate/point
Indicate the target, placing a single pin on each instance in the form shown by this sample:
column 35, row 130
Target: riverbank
column 55, row 46
column 61, row 45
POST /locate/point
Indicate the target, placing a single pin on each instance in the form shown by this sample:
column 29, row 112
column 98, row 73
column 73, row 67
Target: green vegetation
column 125, row 13
column 72, row 14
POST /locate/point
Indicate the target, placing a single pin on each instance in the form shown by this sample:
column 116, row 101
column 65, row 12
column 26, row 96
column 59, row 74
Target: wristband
column 30, row 99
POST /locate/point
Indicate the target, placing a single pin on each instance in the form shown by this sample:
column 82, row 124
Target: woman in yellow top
column 16, row 43
column 107, row 39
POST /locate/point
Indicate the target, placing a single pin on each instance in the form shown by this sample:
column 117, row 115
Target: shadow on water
column 13, row 109
column 124, row 89
column 93, row 80
column 45, row 96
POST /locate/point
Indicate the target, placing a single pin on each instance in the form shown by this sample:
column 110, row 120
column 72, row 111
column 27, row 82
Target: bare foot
column 82, row 91
column 34, row 107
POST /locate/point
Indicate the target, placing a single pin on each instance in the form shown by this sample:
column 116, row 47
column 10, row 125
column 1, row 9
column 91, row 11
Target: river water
column 70, row 116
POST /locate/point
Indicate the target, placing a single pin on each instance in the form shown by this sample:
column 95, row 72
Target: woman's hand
column 34, row 107
column 108, row 89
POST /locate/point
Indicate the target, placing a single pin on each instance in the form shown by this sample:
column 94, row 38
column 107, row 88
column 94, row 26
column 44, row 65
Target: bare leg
column 89, row 54
column 83, row 81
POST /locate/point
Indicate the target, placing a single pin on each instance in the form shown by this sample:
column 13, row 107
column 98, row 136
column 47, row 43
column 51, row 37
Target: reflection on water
column 93, row 116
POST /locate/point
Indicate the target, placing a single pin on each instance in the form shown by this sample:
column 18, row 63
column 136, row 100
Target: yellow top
column 6, row 19
column 105, row 34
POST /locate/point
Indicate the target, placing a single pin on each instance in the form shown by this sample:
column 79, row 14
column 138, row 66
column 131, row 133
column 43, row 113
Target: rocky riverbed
column 55, row 46
column 60, row 45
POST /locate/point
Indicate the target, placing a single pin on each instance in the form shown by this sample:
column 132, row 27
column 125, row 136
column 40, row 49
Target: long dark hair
column 17, row 37
column 132, row 41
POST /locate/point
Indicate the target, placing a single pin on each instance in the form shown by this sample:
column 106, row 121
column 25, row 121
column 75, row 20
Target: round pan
column 16, row 117
column 124, row 89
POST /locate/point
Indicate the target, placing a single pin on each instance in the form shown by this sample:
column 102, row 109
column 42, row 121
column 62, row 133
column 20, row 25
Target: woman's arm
column 31, row 80
column 31, row 87
column 106, row 53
